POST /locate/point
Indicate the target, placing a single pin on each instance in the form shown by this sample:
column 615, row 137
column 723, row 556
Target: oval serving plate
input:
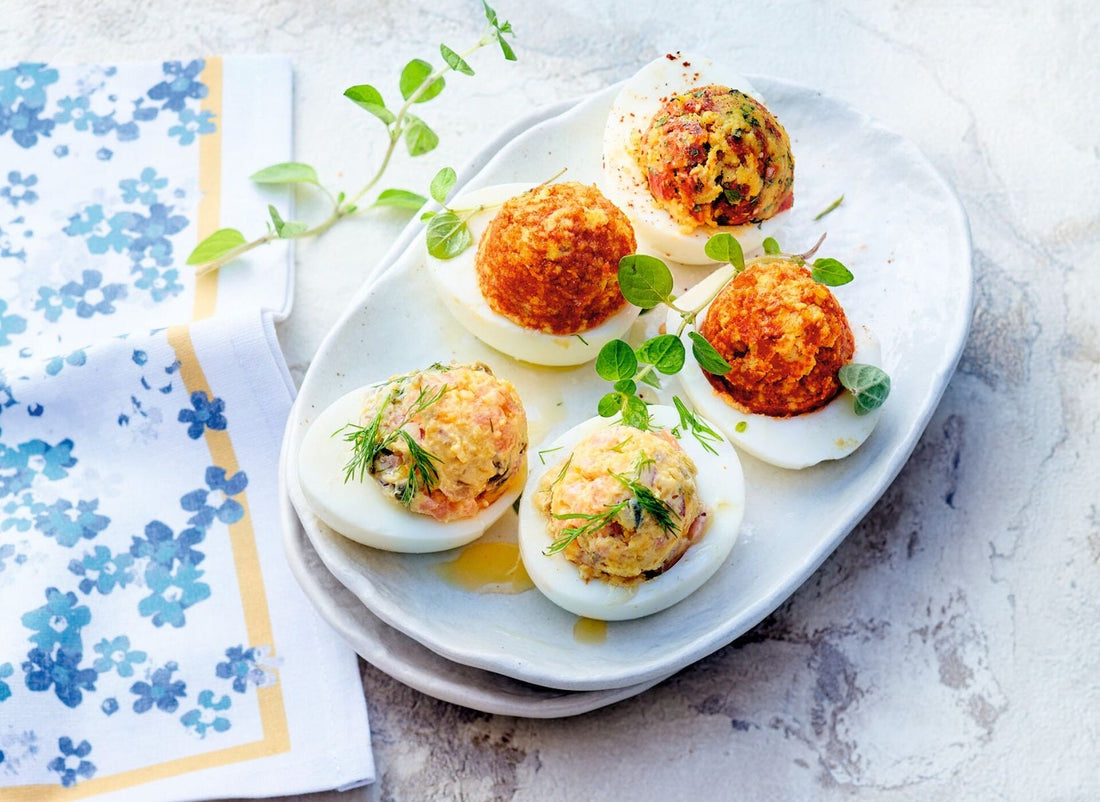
column 903, row 233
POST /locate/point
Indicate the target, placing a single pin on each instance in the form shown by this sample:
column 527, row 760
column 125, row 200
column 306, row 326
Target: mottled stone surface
column 948, row 649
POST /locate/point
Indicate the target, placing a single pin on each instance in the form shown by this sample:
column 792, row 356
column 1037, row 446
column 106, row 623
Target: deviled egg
column 625, row 522
column 541, row 285
column 786, row 338
column 690, row 150
column 425, row 461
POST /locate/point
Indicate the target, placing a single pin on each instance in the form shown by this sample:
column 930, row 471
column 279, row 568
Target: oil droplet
column 487, row 568
column 590, row 630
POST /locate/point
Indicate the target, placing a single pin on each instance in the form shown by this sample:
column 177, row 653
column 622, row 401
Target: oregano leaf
column 868, row 384
column 616, row 361
column 830, row 272
column 442, row 185
column 635, row 412
column 665, row 352
column 707, row 355
column 447, row 235
column 645, row 281
column 413, row 76
column 419, row 138
column 285, row 173
column 455, row 61
column 216, row 246
column 367, row 97
column 724, row 247
column 610, row 405
column 400, row 199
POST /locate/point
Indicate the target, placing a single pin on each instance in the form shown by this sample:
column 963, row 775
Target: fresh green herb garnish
column 370, row 442
column 418, row 83
column 868, row 384
column 829, row 208
column 697, row 426
column 545, row 451
column 641, row 501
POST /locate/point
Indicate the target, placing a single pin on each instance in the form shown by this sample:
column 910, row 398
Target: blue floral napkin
column 153, row 643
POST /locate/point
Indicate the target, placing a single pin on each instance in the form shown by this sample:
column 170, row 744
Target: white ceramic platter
column 902, row 232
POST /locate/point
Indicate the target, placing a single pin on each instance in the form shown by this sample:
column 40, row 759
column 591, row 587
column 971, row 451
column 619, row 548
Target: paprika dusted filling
column 785, row 336
column 549, row 259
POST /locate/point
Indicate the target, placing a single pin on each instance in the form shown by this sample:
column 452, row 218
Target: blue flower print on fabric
column 19, row 189
column 154, row 228
column 68, row 525
column 88, row 297
column 74, row 111
column 62, row 672
column 58, row 622
column 50, row 303
column 205, row 716
column 102, row 234
column 20, row 513
column 10, row 324
column 24, row 124
column 70, row 764
column 7, row 551
column 142, row 189
column 19, row 466
column 217, row 503
column 192, row 125
column 109, row 706
column 152, row 255
column 9, row 247
column 116, row 654
column 75, row 358
column 179, row 85
column 26, row 82
column 160, row 285
column 165, row 549
column 161, row 691
column 103, row 571
column 6, row 670
column 172, row 592
column 242, row 666
column 206, row 413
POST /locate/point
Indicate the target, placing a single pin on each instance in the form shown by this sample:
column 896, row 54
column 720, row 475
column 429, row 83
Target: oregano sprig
column 419, row 82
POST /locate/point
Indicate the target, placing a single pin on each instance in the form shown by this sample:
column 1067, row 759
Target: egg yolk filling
column 623, row 506
column 785, row 336
column 716, row 156
column 549, row 259
column 446, row 442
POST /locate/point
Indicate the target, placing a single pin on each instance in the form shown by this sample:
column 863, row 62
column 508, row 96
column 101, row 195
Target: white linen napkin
column 153, row 642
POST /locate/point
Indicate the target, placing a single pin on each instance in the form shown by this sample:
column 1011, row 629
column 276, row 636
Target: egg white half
column 624, row 183
column 363, row 511
column 721, row 488
column 456, row 281
column 832, row 432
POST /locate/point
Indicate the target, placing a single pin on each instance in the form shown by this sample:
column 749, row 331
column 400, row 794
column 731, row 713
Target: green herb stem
column 349, row 207
column 240, row 250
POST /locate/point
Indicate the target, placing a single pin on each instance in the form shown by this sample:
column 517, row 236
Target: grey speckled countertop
column 948, row 648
